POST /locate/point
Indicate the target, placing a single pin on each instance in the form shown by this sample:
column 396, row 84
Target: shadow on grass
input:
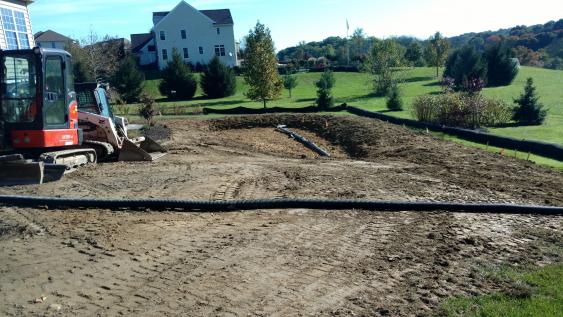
column 207, row 103
column 305, row 100
column 432, row 84
column 359, row 98
column 417, row 79
column 515, row 125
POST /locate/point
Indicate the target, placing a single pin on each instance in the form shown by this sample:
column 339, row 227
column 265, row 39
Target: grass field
column 537, row 293
column 356, row 89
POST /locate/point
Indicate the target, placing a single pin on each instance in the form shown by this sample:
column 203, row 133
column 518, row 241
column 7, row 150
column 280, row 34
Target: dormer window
column 162, row 36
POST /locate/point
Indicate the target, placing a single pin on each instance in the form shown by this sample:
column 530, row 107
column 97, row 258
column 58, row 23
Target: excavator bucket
column 148, row 150
column 15, row 170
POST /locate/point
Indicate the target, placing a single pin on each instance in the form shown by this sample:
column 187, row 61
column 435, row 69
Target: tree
column 261, row 66
column 128, row 80
column 218, row 80
column 101, row 55
column 529, row 109
column 82, row 73
column 414, row 54
column 147, row 110
column 501, row 67
column 178, row 82
column 324, row 85
column 385, row 55
column 466, row 66
column 394, row 101
column 290, row 82
column 437, row 51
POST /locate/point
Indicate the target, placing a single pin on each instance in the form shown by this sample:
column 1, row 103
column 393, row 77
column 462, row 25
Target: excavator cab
column 39, row 132
column 38, row 108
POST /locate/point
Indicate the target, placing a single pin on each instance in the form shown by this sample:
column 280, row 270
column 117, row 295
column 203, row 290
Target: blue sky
column 292, row 21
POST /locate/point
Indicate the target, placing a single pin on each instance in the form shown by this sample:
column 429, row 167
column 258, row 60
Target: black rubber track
column 240, row 205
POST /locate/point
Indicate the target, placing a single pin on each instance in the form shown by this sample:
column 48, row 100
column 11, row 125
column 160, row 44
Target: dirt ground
column 282, row 262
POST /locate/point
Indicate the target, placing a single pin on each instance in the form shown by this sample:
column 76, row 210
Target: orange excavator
column 49, row 127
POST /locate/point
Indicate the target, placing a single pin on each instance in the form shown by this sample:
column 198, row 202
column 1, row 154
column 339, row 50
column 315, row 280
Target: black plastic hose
column 239, row 205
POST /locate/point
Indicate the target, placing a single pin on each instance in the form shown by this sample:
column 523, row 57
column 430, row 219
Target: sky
column 292, row 21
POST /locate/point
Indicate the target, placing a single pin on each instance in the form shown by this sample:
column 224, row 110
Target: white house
column 198, row 35
column 52, row 39
column 15, row 28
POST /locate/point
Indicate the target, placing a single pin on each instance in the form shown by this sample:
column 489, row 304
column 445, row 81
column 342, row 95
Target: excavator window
column 18, row 88
column 55, row 92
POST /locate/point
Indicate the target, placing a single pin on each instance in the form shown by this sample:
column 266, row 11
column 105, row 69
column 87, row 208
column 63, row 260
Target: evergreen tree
column 324, row 85
column 81, row 72
column 261, row 66
column 290, row 82
column 501, row 68
column 178, row 82
column 218, row 80
column 465, row 65
column 394, row 101
column 128, row 80
column 529, row 109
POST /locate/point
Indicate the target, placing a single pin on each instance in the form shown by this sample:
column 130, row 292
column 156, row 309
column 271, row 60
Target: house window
column 200, row 50
column 186, row 53
column 15, row 29
column 220, row 50
column 162, row 36
column 151, row 48
column 218, row 31
column 164, row 54
column 184, row 36
column 53, row 45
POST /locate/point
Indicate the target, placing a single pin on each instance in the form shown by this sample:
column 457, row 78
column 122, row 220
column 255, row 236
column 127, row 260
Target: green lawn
column 356, row 88
column 537, row 293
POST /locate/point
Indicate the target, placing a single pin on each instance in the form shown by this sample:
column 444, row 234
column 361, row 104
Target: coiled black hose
column 239, row 205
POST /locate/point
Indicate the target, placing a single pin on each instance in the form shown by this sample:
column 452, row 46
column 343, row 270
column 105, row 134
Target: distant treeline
column 539, row 45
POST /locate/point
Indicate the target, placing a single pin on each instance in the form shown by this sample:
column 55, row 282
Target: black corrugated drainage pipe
column 309, row 144
column 262, row 204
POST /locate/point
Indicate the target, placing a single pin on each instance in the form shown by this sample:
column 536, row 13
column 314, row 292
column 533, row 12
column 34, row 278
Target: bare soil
column 284, row 262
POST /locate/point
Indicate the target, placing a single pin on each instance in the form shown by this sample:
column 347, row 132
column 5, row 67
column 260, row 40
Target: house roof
column 138, row 41
column 51, row 36
column 221, row 16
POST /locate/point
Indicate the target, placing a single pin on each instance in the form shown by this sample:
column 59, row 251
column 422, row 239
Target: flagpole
column 348, row 42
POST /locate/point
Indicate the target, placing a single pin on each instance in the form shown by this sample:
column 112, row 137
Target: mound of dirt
column 374, row 140
column 158, row 132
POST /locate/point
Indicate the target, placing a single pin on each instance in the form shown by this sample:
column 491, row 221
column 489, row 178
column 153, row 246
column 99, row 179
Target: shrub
column 147, row 110
column 128, row 80
column 465, row 65
column 178, row 82
column 461, row 110
column 529, row 109
column 324, row 85
column 394, row 101
column 501, row 67
column 495, row 113
column 218, row 80
column 425, row 108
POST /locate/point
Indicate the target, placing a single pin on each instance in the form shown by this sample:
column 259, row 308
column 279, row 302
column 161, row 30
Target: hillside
column 538, row 45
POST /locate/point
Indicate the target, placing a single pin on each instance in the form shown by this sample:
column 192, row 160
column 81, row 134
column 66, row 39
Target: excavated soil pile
column 375, row 141
column 281, row 262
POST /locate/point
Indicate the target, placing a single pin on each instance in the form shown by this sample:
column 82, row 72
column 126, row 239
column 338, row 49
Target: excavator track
column 73, row 158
